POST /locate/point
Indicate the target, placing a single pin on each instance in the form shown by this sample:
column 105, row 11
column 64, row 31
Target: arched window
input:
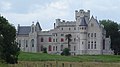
column 42, row 39
column 32, row 42
column 50, row 39
column 49, row 48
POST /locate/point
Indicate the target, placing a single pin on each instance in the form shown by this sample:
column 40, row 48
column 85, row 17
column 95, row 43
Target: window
column 56, row 40
column 69, row 28
column 50, row 39
column 42, row 39
column 82, row 28
column 61, row 28
column 53, row 48
column 103, row 44
column 74, row 28
column 88, row 34
column 88, row 45
column 49, row 48
column 92, row 45
column 95, row 34
column 95, row 46
column 56, row 34
column 61, row 47
column 56, row 48
column 91, row 34
column 53, row 40
column 19, row 43
column 82, row 42
column 62, row 34
column 42, row 48
column 32, row 42
column 26, row 43
column 62, row 40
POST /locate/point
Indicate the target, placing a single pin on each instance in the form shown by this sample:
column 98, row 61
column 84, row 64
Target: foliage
column 68, row 37
column 66, row 52
column 112, row 30
column 9, row 50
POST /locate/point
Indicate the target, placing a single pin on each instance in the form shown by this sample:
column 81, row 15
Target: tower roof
column 83, row 21
column 38, row 25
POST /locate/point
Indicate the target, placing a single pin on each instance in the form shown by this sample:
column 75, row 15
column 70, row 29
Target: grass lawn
column 82, row 58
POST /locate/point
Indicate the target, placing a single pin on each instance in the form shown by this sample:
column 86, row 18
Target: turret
column 82, row 13
column 82, row 35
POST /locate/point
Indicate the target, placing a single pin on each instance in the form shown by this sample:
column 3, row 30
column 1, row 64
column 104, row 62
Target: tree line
column 113, row 30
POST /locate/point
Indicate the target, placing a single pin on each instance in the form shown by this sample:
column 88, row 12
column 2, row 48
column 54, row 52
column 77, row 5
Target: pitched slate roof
column 83, row 21
column 24, row 30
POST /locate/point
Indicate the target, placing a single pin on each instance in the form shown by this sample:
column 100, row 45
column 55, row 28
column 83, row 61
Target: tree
column 9, row 50
column 66, row 52
column 68, row 37
column 112, row 30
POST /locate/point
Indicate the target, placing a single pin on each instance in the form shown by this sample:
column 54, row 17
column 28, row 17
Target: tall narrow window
column 95, row 34
column 92, row 45
column 103, row 44
column 53, row 40
column 95, row 45
column 61, row 28
column 49, row 48
column 74, row 28
column 62, row 34
column 19, row 43
column 56, row 40
column 32, row 42
column 61, row 47
column 91, row 34
column 56, row 48
column 88, row 34
column 62, row 40
column 69, row 28
column 53, row 48
column 42, row 48
column 50, row 39
column 42, row 39
column 26, row 43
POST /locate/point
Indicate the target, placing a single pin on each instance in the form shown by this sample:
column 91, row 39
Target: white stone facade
column 88, row 36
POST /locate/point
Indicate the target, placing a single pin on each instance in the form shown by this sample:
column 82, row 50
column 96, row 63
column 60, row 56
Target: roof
column 38, row 25
column 83, row 21
column 24, row 30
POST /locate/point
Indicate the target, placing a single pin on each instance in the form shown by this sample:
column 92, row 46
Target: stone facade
column 88, row 36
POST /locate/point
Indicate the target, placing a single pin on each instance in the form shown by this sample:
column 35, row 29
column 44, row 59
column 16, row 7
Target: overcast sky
column 23, row 12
